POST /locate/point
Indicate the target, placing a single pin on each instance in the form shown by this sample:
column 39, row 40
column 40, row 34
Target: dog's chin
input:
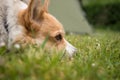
column 70, row 49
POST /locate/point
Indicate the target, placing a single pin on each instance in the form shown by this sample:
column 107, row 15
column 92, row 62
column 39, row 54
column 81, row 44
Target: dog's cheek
column 61, row 45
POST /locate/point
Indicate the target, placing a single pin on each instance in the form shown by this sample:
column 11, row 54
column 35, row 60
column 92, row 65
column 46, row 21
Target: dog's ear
column 33, row 9
column 45, row 6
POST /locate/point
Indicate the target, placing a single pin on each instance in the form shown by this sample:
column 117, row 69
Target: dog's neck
column 14, row 28
column 13, row 9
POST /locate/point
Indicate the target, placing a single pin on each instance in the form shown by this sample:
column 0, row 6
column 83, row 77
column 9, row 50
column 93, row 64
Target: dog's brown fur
column 38, row 24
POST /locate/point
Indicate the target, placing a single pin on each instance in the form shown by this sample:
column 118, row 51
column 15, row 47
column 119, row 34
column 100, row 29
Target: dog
column 22, row 24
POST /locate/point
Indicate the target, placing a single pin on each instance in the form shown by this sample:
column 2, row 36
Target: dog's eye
column 58, row 37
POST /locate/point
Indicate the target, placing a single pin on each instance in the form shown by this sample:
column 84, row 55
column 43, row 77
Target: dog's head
column 42, row 27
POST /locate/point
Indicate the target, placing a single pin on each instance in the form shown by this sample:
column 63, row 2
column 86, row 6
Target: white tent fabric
column 70, row 14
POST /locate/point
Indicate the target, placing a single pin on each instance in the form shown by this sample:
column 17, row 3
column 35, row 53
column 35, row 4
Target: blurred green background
column 103, row 14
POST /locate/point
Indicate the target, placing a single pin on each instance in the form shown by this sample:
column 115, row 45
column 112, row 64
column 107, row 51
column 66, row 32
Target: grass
column 98, row 58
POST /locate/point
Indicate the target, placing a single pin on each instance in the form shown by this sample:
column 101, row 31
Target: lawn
column 98, row 58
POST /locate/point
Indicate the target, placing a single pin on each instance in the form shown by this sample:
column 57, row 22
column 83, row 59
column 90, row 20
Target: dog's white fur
column 3, row 33
column 14, row 28
column 9, row 12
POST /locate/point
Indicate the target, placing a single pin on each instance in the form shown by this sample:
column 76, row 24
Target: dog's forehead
column 52, row 24
column 53, row 20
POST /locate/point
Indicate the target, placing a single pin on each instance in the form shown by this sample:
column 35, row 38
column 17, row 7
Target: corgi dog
column 23, row 24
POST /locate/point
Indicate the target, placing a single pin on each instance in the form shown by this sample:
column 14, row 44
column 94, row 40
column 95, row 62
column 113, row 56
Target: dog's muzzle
column 70, row 49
